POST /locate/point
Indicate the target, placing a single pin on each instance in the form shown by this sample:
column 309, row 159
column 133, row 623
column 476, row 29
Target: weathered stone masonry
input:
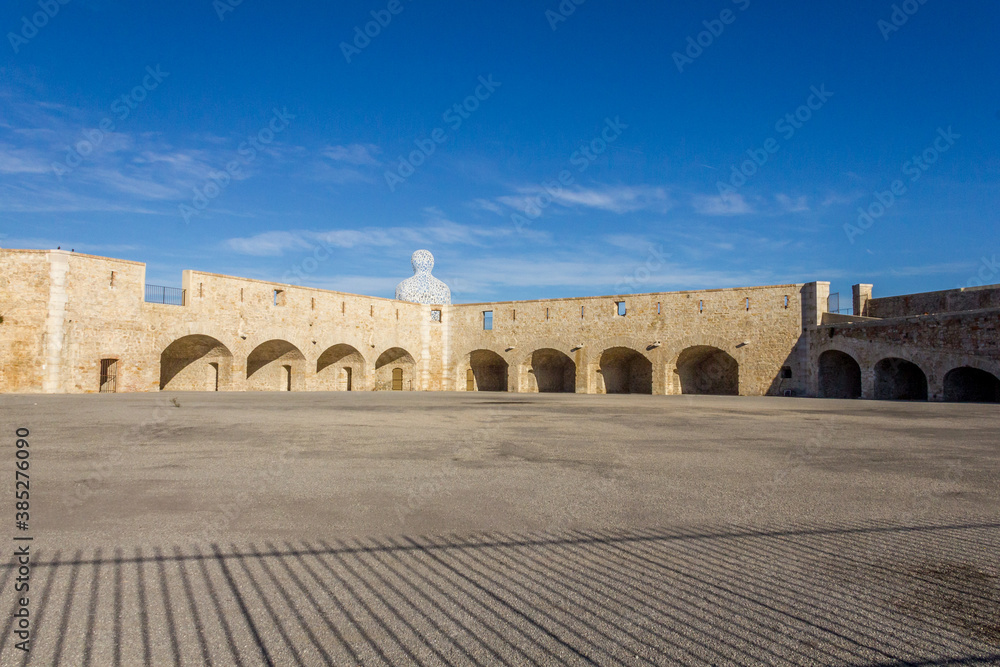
column 78, row 323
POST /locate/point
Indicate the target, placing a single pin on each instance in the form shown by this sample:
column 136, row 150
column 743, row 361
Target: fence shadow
column 834, row 595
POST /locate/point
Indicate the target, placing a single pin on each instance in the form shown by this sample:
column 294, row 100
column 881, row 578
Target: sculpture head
column 422, row 261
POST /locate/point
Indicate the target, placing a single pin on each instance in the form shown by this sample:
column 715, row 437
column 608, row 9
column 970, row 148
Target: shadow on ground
column 831, row 595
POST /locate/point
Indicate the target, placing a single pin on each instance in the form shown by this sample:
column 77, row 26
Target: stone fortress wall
column 75, row 323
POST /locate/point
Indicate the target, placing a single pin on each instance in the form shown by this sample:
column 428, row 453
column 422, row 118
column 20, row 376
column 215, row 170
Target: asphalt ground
column 455, row 528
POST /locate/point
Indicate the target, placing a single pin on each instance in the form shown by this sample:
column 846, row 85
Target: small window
column 786, row 301
column 372, row 312
column 786, row 372
column 657, row 307
column 241, row 295
column 435, row 316
column 343, row 307
column 487, row 320
column 314, row 303
column 201, row 289
column 112, row 278
column 748, row 303
column 620, row 306
column 515, row 315
column 279, row 297
column 546, row 313
column 701, row 306
column 581, row 312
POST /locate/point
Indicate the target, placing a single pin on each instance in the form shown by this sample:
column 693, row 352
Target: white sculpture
column 423, row 287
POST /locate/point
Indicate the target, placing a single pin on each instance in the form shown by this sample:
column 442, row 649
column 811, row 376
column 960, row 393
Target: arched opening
column 276, row 365
column 195, row 363
column 839, row 375
column 625, row 371
column 704, row 369
column 554, row 371
column 338, row 368
column 971, row 385
column 489, row 371
column 899, row 380
column 395, row 369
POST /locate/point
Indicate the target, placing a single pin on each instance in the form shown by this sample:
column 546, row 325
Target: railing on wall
column 172, row 296
column 833, row 305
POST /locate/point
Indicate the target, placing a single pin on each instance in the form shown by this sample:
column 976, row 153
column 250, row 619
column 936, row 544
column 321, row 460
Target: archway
column 899, row 380
column 196, row 363
column 554, row 371
column 340, row 368
column 971, row 385
column 625, row 371
column 489, row 371
column 704, row 369
column 395, row 369
column 276, row 365
column 839, row 375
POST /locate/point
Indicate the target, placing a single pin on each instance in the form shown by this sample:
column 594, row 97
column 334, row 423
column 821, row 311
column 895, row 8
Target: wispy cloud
column 615, row 199
column 356, row 154
column 734, row 204
column 792, row 205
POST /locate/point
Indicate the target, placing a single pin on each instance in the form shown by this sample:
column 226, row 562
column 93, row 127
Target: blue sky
column 592, row 151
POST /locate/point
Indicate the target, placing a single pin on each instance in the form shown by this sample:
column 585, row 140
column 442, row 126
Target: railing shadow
column 834, row 595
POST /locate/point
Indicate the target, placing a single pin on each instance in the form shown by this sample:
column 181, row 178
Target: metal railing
column 833, row 305
column 172, row 296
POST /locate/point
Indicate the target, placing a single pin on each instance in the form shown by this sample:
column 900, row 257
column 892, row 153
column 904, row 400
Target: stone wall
column 926, row 303
column 77, row 323
column 937, row 344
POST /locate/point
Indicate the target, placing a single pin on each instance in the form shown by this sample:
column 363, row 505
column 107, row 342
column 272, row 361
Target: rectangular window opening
column 279, row 297
column 786, row 301
column 201, row 289
column 241, row 295
column 748, row 303
column 581, row 312
column 487, row 320
column 343, row 307
column 701, row 306
column 314, row 303
column 620, row 306
column 657, row 307
column 112, row 278
column 435, row 316
column 786, row 372
column 546, row 313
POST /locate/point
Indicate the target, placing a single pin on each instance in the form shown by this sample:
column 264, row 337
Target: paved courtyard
column 412, row 528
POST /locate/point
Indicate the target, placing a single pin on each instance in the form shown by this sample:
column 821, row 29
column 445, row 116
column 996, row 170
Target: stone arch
column 971, row 385
column 899, row 380
column 554, row 371
column 705, row 369
column 489, row 371
column 276, row 365
column 626, row 371
column 341, row 367
column 839, row 375
column 196, row 363
column 395, row 361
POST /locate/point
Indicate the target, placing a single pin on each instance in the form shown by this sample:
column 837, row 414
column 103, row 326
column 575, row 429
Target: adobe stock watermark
column 697, row 44
column 454, row 116
column 987, row 274
column 787, row 126
column 363, row 36
column 899, row 17
column 914, row 168
column 37, row 21
column 247, row 151
column 223, row 7
column 562, row 12
column 643, row 272
column 121, row 109
column 581, row 158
